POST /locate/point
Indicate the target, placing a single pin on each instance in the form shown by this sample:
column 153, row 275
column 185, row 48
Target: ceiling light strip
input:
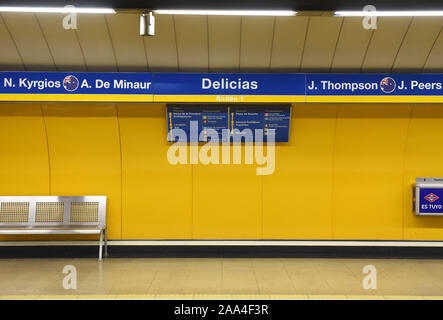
column 272, row 13
column 432, row 13
column 56, row 10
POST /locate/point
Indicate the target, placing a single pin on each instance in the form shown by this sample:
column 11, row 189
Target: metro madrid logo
column 432, row 197
column 70, row 83
column 387, row 85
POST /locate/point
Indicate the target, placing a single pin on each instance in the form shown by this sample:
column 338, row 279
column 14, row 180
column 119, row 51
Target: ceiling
column 319, row 5
column 38, row 42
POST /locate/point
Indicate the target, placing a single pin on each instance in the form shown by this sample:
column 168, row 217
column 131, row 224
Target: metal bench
column 31, row 215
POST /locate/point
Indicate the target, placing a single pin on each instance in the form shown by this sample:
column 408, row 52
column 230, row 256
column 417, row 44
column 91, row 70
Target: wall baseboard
column 224, row 249
column 314, row 243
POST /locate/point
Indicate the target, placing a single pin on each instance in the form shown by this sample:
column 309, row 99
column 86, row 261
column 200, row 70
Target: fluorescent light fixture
column 272, row 13
column 68, row 9
column 430, row 13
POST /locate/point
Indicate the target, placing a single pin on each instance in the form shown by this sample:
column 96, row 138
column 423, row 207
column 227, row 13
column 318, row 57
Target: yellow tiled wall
column 347, row 172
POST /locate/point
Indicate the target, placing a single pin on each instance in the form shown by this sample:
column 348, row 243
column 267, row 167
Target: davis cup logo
column 70, row 83
column 387, row 85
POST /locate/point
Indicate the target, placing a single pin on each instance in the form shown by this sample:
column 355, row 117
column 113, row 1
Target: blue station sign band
column 221, row 87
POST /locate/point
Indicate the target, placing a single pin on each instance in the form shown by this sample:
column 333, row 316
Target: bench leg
column 106, row 242
column 100, row 247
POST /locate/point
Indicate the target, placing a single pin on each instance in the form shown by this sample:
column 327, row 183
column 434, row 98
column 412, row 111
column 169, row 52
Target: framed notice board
column 199, row 123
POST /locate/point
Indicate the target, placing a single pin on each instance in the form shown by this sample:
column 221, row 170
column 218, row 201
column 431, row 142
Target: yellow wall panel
column 157, row 196
column 297, row 198
column 424, row 158
column 24, row 168
column 84, row 149
column 227, row 201
column 368, row 171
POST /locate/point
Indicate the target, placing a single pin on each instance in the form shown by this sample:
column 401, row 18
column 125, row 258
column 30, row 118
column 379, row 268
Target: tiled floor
column 226, row 278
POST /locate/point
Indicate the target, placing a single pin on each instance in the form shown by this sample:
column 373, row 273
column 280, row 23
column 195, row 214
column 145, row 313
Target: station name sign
column 221, row 87
column 229, row 87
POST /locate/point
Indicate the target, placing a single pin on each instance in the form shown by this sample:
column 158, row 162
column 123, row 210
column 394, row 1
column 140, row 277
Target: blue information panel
column 202, row 119
column 272, row 120
column 431, row 200
column 199, row 123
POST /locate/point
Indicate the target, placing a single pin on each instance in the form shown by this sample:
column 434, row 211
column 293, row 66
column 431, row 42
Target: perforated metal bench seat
column 49, row 230
column 32, row 215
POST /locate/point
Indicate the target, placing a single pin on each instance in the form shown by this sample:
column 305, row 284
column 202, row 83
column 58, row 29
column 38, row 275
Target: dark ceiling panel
column 240, row 4
column 222, row 44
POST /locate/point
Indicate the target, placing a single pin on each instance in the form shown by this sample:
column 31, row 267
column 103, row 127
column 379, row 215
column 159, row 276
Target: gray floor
column 305, row 278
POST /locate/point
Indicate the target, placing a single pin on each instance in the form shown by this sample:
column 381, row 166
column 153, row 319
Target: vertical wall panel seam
column 46, row 41
column 336, row 44
column 146, row 55
column 334, row 155
column 365, row 55
column 14, row 42
column 193, row 194
column 112, row 44
column 207, row 40
column 430, row 50
column 47, row 148
column 121, row 171
column 262, row 206
column 304, row 44
column 176, row 44
column 145, row 50
column 81, row 49
column 405, row 148
column 240, row 46
column 401, row 44
column 272, row 45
